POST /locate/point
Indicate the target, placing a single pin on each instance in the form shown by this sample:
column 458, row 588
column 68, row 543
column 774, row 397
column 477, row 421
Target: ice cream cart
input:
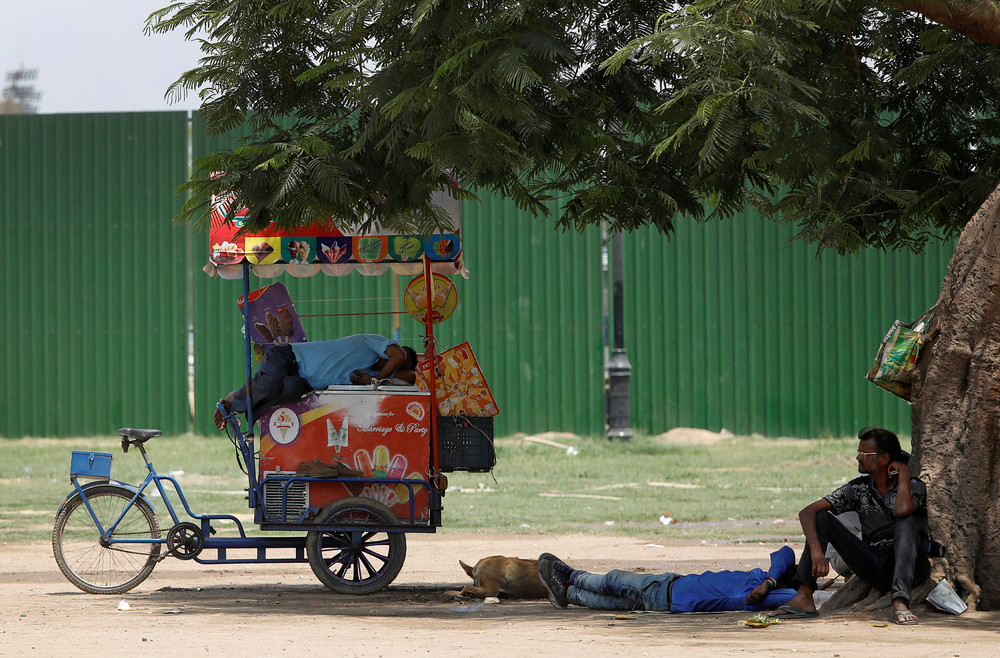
column 353, row 469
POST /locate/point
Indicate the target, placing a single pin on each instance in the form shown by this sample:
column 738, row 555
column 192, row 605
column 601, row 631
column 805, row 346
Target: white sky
column 92, row 55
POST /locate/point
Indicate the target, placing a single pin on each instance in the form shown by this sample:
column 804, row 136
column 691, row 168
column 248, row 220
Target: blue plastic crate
column 91, row 465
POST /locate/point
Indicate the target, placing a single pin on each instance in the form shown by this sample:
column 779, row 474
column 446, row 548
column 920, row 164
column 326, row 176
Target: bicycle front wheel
column 97, row 566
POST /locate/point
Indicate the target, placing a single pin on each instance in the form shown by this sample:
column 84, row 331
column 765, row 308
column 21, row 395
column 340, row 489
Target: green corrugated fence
column 727, row 325
column 93, row 290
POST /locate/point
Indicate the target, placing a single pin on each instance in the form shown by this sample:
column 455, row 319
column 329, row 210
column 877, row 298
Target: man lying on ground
column 711, row 591
column 290, row 370
column 890, row 555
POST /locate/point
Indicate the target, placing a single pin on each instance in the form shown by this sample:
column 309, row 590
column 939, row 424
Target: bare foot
column 801, row 602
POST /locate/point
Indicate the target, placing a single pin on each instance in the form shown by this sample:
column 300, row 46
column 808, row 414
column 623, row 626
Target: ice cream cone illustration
column 440, row 295
column 418, row 297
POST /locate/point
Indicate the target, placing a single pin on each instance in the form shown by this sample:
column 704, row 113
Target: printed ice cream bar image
column 363, row 462
column 381, row 466
column 403, row 492
column 396, row 467
column 444, row 247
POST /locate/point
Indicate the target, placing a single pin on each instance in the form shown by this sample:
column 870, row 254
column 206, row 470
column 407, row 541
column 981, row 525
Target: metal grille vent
column 295, row 504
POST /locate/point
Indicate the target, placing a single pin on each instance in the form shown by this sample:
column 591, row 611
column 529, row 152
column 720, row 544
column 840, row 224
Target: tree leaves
column 878, row 127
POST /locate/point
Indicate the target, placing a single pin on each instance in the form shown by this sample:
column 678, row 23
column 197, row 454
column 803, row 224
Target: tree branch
column 976, row 19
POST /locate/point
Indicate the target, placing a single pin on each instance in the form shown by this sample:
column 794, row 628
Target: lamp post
column 619, row 368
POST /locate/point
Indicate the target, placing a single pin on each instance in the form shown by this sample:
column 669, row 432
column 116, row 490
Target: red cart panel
column 383, row 434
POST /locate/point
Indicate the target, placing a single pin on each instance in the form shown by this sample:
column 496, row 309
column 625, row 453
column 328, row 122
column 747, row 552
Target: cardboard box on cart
column 383, row 434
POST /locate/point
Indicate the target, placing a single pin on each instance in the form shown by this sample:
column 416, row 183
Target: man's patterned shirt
column 878, row 520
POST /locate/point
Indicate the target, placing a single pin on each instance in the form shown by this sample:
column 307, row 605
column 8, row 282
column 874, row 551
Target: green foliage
column 506, row 95
column 864, row 124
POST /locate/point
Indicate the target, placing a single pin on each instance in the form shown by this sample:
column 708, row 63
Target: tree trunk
column 956, row 413
column 978, row 19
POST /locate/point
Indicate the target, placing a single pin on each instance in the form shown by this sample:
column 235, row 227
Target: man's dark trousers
column 894, row 569
column 276, row 381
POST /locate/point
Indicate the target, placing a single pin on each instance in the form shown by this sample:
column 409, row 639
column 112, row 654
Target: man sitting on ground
column 890, row 555
column 290, row 370
column 711, row 591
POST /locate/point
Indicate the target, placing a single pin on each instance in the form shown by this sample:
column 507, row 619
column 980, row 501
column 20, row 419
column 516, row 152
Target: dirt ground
column 185, row 608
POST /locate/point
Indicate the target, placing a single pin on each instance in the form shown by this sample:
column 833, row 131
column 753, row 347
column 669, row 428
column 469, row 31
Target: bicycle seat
column 142, row 435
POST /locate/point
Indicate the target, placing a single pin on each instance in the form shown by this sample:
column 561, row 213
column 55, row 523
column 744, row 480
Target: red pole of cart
column 432, row 374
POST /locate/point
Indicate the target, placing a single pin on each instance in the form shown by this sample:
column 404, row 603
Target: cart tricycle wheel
column 356, row 561
column 101, row 567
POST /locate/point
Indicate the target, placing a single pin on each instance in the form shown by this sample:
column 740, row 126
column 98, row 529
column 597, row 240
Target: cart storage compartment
column 383, row 434
column 86, row 464
column 466, row 447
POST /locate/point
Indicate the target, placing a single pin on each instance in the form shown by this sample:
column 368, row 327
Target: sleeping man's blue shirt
column 324, row 363
column 727, row 590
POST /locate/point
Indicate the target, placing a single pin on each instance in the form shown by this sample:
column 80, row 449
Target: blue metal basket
column 95, row 465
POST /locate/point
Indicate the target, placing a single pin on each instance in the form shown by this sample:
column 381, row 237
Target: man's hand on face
column 900, row 468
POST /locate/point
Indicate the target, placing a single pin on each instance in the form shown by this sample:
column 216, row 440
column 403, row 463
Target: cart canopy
column 325, row 248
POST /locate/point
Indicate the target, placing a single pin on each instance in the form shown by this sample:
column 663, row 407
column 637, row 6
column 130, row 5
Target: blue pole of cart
column 246, row 341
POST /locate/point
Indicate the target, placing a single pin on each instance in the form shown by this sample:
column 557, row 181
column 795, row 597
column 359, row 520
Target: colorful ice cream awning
column 325, row 248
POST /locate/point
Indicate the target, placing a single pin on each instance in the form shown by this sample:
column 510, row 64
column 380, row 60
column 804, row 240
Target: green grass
column 733, row 490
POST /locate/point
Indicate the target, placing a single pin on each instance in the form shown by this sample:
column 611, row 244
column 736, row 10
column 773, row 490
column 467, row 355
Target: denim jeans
column 894, row 569
column 621, row 590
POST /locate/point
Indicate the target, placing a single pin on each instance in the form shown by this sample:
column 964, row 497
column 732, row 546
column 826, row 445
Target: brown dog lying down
column 497, row 575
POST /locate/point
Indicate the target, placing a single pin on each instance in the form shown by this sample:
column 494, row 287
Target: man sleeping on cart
column 290, row 370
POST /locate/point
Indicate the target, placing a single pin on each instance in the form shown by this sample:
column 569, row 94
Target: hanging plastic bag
column 897, row 356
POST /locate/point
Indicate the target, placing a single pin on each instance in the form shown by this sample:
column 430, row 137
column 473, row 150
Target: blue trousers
column 894, row 569
column 621, row 590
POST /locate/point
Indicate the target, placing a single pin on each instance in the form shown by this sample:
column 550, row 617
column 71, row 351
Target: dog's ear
column 467, row 568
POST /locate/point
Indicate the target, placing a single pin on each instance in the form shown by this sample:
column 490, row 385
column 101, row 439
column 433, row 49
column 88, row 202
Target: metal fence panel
column 93, row 273
column 531, row 309
column 727, row 325
column 731, row 326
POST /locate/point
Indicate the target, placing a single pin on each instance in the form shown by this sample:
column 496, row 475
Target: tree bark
column 977, row 19
column 956, row 413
